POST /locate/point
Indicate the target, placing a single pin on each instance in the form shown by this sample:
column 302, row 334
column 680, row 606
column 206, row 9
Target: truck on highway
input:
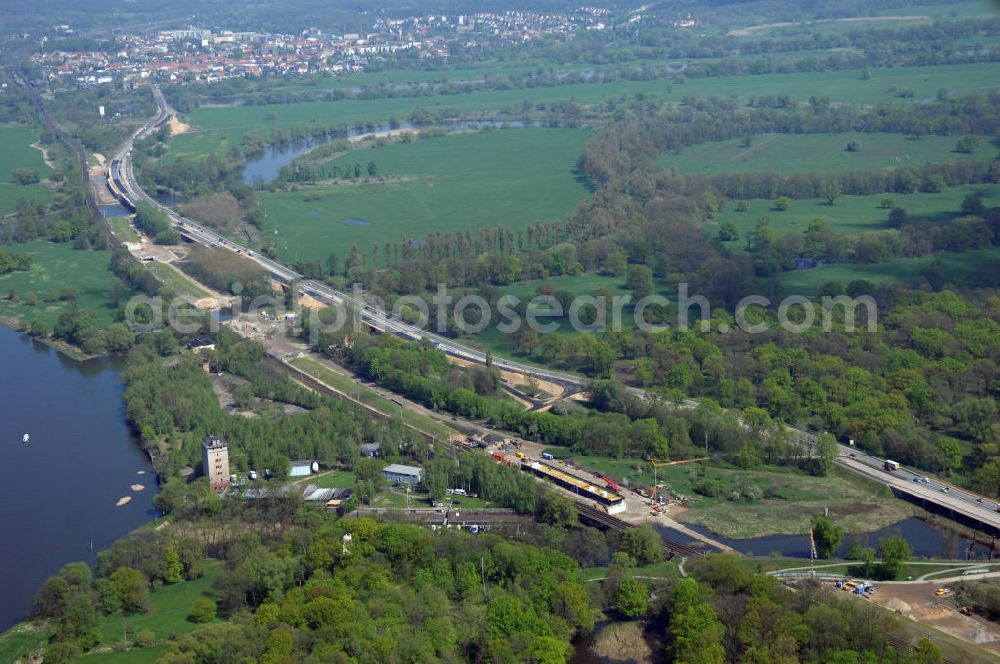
column 891, row 465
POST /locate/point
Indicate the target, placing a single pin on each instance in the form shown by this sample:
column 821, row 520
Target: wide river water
column 58, row 492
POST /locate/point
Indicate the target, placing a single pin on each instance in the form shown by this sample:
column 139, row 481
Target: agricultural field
column 220, row 128
column 18, row 153
column 507, row 178
column 853, row 214
column 55, row 267
column 788, row 154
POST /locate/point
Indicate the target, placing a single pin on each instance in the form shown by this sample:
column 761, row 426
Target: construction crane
column 658, row 463
column 612, row 484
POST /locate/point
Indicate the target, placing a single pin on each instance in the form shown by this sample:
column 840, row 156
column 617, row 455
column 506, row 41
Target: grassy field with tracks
column 18, row 153
column 508, row 178
column 372, row 398
column 787, row 154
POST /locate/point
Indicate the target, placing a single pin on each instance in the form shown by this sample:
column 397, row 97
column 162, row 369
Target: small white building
column 303, row 468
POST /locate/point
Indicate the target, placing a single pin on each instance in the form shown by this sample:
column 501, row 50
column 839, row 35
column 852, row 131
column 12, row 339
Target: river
column 266, row 166
column 58, row 491
column 926, row 540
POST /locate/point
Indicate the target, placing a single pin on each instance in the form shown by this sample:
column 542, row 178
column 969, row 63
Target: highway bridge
column 607, row 521
column 122, row 183
column 914, row 485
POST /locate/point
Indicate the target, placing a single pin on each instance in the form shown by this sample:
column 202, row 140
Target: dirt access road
column 917, row 600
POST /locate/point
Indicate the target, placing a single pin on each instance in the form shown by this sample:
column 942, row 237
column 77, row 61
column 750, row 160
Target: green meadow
column 222, row 127
column 961, row 9
column 787, row 154
column 508, row 178
column 169, row 608
column 55, row 267
column 18, row 153
column 176, row 281
column 955, row 267
column 853, row 214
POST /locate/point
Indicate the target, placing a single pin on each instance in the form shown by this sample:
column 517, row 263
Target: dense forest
column 307, row 588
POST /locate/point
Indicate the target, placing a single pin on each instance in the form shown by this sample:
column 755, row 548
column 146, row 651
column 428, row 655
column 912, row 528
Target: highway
column 922, row 487
column 121, row 177
column 121, row 180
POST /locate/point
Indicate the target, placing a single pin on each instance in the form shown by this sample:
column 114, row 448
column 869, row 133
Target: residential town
column 201, row 55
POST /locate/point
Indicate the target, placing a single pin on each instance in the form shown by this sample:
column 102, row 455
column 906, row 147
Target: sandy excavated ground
column 512, row 379
column 311, row 303
column 622, row 643
column 177, row 127
column 917, row 601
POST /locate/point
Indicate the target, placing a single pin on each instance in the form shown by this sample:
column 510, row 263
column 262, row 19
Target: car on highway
column 943, row 489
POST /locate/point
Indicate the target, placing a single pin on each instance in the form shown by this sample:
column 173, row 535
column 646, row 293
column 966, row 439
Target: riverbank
column 68, row 350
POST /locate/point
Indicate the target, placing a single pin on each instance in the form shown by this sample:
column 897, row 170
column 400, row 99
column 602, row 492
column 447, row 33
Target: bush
column 144, row 638
column 62, row 652
column 24, row 176
column 709, row 488
column 203, row 611
column 38, row 328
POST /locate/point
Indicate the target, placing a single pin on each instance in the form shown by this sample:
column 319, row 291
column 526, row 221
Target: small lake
column 58, row 492
column 926, row 541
